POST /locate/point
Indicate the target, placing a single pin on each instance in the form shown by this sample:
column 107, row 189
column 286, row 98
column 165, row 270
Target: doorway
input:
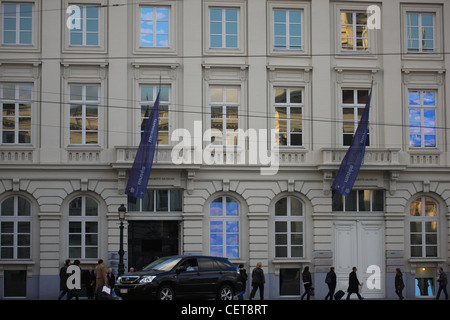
column 359, row 243
column 150, row 240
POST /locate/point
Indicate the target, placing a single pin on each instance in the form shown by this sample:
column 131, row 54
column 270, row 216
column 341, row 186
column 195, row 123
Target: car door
column 209, row 274
column 188, row 277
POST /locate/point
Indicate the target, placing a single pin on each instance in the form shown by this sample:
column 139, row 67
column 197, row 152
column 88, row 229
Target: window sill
column 288, row 262
column 17, row 265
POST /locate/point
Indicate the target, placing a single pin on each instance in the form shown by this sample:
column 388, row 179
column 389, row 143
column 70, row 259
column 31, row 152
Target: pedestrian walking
column 63, row 276
column 399, row 284
column 442, row 279
column 244, row 277
column 111, row 281
column 353, row 284
column 307, row 283
column 75, row 292
column 90, row 283
column 100, row 277
column 258, row 281
column 330, row 280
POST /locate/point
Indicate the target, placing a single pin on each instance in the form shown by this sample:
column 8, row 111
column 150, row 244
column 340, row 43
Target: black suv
column 177, row 276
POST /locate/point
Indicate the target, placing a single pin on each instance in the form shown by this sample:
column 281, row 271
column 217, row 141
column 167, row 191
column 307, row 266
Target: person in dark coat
column 399, row 284
column 307, row 283
column 244, row 277
column 442, row 279
column 330, row 280
column 63, row 276
column 258, row 281
column 353, row 284
column 90, row 283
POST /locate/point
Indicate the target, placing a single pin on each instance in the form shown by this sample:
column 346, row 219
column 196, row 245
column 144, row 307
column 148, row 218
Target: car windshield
column 162, row 264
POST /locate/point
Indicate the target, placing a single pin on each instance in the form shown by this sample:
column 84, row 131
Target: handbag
column 106, row 290
column 311, row 291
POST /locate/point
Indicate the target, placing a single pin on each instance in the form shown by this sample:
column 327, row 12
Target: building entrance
column 359, row 244
column 149, row 240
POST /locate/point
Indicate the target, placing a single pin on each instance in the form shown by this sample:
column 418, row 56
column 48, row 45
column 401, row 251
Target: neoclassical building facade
column 259, row 101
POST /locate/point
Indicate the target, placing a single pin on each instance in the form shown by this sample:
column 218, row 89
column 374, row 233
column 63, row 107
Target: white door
column 360, row 244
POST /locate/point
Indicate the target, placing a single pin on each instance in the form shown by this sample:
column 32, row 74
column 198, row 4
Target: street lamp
column 122, row 212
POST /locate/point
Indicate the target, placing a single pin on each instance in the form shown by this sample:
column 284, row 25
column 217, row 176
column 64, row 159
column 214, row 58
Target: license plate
column 123, row 290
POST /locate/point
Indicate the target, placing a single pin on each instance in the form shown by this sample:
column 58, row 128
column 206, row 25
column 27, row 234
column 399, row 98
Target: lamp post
column 122, row 212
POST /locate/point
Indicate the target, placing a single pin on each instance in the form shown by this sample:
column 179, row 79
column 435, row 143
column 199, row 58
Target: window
column 223, row 28
column 83, row 115
column 224, row 104
column 88, row 32
column 420, row 32
column 15, row 283
column 15, row 105
column 290, row 281
column 15, row 228
column 158, row 201
column 289, row 228
column 422, row 118
column 424, row 228
column 353, row 103
column 424, row 282
column 287, row 32
column 354, row 31
column 359, row 201
column 154, row 27
column 18, row 24
column 288, row 116
column 83, row 230
column 147, row 99
column 224, row 227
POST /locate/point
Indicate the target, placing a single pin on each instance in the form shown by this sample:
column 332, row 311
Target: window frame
column 241, row 8
column 288, row 219
column 17, row 102
column 225, row 104
column 83, row 219
column 162, row 103
column 422, row 107
column 84, row 103
column 223, row 219
column 358, row 109
column 437, row 11
column 288, row 105
column 139, row 202
column 16, row 219
column 342, row 201
column 423, row 219
column 354, row 37
column 35, row 46
column 84, row 32
column 18, row 21
column 173, row 25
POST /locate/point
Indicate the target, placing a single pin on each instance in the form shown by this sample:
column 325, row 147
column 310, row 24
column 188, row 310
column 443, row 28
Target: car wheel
column 225, row 293
column 165, row 292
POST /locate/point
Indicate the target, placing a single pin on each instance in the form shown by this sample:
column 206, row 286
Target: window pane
column 430, row 208
column 7, row 208
column 296, row 207
column 91, row 207
column 176, row 200
column 281, row 207
column 75, row 207
column 162, row 200
column 232, row 207
column 216, row 207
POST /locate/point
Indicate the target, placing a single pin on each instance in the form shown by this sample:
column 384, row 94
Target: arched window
column 83, row 228
column 289, row 228
column 423, row 228
column 15, row 228
column 224, row 227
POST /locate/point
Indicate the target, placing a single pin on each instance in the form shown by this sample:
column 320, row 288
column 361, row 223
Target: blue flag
column 348, row 171
column 140, row 172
